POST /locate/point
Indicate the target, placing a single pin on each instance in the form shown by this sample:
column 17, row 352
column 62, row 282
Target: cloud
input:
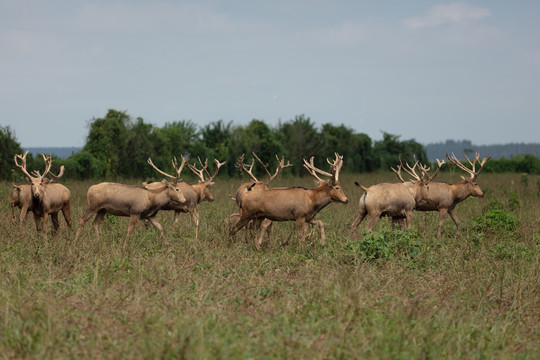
column 447, row 14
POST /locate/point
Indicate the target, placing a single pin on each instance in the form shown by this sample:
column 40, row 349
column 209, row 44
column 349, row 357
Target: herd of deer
column 258, row 204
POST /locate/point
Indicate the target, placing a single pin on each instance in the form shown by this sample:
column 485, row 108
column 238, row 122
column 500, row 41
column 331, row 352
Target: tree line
column 118, row 145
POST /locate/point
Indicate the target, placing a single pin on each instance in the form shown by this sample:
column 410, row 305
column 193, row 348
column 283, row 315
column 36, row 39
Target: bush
column 387, row 244
column 512, row 250
column 497, row 221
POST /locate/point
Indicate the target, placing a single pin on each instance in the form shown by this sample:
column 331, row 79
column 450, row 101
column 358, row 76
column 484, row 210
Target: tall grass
column 389, row 294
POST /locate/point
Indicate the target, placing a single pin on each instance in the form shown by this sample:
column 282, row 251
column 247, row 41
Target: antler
column 199, row 173
column 240, row 164
column 48, row 164
column 22, row 165
column 281, row 165
column 177, row 169
column 56, row 177
column 472, row 172
column 426, row 170
column 398, row 172
column 411, row 170
column 335, row 168
column 218, row 165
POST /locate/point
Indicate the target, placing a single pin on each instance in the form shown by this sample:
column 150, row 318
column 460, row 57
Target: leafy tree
column 388, row 150
column 259, row 138
column 9, row 146
column 106, row 140
column 355, row 148
column 301, row 140
column 220, row 141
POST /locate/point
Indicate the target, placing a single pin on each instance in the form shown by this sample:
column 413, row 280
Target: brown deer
column 133, row 201
column 396, row 200
column 44, row 198
column 195, row 193
column 444, row 197
column 264, row 225
column 295, row 204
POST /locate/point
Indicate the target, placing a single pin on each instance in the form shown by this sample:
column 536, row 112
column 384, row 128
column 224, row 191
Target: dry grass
column 467, row 297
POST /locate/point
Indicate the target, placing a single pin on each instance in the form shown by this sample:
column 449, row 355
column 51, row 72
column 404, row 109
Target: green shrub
column 512, row 250
column 497, row 221
column 387, row 244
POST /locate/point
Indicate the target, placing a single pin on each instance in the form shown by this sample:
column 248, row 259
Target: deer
column 43, row 196
column 295, row 204
column 133, row 201
column 265, row 225
column 195, row 193
column 396, row 200
column 444, row 197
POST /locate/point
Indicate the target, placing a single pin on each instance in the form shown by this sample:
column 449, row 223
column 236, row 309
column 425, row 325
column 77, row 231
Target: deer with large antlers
column 195, row 193
column 264, row 225
column 444, row 197
column 133, row 201
column 43, row 196
column 295, row 204
column 396, row 200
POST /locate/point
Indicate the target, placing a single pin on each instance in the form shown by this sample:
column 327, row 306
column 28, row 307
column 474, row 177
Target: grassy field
column 388, row 294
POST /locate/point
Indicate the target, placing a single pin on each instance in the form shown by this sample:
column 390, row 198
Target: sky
column 423, row 70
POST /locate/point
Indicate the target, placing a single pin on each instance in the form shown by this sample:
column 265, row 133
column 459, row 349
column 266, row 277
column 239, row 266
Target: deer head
column 36, row 180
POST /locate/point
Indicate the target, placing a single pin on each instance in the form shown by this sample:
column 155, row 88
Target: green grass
column 477, row 296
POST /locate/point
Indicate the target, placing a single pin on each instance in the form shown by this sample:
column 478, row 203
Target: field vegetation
column 386, row 294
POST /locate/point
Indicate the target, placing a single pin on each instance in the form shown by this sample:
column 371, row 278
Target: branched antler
column 454, row 160
column 177, row 169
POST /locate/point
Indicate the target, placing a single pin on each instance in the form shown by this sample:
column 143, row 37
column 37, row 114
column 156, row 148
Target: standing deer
column 444, row 197
column 195, row 193
column 295, row 204
column 396, row 200
column 43, row 197
column 133, row 201
column 264, row 225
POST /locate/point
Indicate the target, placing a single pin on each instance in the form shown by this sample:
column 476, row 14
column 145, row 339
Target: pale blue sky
column 427, row 70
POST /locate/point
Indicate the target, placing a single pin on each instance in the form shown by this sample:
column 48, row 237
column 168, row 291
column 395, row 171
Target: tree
column 355, row 148
column 388, row 151
column 301, row 140
column 9, row 146
column 106, row 140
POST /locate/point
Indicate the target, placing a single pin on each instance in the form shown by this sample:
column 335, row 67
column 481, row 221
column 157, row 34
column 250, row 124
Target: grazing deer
column 264, row 225
column 133, row 201
column 43, row 197
column 396, row 200
column 295, row 204
column 195, row 193
column 444, row 197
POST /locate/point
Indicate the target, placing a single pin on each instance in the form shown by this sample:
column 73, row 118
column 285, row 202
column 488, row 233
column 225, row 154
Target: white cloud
column 446, row 14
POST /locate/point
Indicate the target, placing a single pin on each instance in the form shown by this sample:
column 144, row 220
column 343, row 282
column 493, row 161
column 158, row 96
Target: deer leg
column 176, row 217
column 22, row 216
column 265, row 224
column 56, row 223
column 66, row 211
column 133, row 219
column 361, row 215
column 408, row 218
column 45, row 221
column 300, row 227
column 37, row 220
column 87, row 215
column 373, row 218
column 195, row 219
column 454, row 217
column 97, row 220
column 239, row 225
column 321, row 227
column 153, row 220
